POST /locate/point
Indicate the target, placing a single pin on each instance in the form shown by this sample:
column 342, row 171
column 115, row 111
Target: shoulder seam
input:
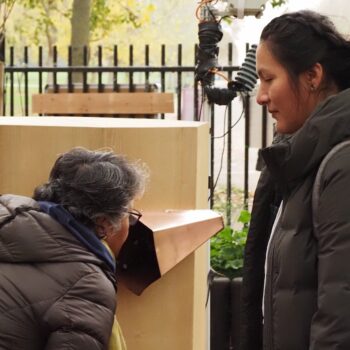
column 320, row 172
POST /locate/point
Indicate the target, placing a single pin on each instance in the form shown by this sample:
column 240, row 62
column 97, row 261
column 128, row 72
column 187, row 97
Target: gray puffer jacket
column 54, row 292
column 307, row 292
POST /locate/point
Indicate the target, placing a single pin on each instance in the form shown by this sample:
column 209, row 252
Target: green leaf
column 244, row 217
column 277, row 3
column 227, row 247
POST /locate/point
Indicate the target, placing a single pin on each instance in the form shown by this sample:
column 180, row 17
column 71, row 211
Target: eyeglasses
column 134, row 217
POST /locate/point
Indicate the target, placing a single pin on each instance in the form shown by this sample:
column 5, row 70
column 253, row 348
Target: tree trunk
column 51, row 35
column 80, row 34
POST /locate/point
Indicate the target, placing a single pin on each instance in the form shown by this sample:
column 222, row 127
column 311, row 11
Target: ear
column 102, row 226
column 314, row 76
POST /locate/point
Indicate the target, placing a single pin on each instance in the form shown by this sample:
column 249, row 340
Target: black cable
column 199, row 116
column 222, row 153
column 224, row 147
column 211, row 12
column 233, row 125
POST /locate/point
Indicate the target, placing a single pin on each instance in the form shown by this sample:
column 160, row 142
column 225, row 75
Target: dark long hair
column 300, row 39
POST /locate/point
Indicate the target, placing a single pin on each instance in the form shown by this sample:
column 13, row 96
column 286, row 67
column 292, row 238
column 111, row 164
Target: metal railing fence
column 25, row 75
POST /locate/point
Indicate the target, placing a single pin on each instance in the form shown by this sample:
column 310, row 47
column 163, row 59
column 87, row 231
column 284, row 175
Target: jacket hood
column 28, row 235
column 299, row 155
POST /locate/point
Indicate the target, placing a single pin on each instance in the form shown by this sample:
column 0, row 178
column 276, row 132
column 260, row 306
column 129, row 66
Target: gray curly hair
column 93, row 184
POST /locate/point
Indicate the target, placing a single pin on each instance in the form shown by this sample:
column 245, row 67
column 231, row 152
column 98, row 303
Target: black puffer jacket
column 265, row 206
column 308, row 273
column 54, row 292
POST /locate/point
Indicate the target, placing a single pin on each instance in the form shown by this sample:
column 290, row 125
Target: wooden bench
column 102, row 103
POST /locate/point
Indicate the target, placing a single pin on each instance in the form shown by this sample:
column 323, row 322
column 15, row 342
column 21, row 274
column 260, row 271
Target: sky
column 248, row 29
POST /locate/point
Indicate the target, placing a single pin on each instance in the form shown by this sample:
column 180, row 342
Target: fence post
column 12, row 85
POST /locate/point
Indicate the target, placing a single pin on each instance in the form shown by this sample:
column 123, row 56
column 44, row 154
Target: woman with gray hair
column 58, row 251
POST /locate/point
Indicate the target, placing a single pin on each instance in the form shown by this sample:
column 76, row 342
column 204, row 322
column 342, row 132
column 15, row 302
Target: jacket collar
column 86, row 236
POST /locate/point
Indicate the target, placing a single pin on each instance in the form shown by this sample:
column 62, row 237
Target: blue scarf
column 86, row 236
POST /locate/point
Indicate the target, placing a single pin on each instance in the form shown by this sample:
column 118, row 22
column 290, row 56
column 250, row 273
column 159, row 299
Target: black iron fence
column 34, row 71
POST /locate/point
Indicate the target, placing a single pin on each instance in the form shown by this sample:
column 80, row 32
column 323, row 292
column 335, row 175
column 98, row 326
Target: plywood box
column 171, row 313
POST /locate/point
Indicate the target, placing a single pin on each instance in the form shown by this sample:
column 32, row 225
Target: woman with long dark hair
column 296, row 285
